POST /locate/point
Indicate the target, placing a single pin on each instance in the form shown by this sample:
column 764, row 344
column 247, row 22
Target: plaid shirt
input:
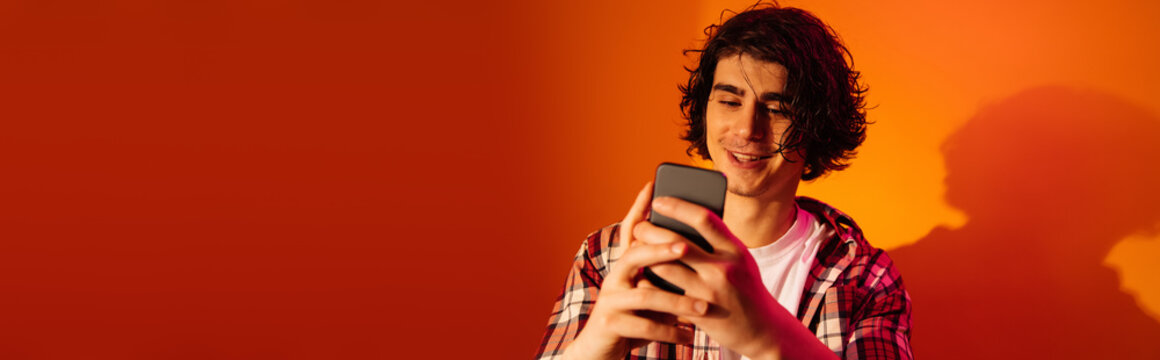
column 854, row 299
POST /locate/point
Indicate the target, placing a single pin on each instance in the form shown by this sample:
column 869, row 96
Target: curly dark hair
column 827, row 105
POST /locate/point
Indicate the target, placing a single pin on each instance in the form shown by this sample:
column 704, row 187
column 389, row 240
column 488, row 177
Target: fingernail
column 662, row 203
column 677, row 248
column 700, row 306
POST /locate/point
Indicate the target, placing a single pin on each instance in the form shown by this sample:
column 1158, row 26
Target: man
column 772, row 102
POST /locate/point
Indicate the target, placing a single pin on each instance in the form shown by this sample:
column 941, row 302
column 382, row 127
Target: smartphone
column 699, row 186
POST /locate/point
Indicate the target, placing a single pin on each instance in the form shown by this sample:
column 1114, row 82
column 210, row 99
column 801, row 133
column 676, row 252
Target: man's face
column 744, row 123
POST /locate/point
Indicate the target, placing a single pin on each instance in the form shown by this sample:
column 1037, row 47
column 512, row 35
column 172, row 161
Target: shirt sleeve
column 882, row 329
column 574, row 304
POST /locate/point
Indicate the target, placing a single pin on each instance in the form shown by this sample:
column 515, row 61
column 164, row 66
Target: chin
column 748, row 190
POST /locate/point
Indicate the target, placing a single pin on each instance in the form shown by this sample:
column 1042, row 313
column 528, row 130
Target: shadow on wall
column 1050, row 180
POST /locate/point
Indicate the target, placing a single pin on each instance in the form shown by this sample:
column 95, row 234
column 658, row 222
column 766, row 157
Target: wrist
column 581, row 348
column 575, row 350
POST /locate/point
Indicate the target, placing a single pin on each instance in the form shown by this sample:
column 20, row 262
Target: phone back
column 699, row 186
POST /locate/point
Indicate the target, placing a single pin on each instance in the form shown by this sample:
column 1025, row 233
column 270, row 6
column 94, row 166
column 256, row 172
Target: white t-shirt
column 785, row 264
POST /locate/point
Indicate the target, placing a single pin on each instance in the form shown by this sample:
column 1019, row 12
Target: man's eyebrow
column 769, row 96
column 729, row 89
column 774, row 96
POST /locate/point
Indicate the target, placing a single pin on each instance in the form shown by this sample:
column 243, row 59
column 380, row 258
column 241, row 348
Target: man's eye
column 776, row 111
column 730, row 103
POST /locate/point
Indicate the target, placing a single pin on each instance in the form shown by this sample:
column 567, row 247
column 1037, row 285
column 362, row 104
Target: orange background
column 356, row 179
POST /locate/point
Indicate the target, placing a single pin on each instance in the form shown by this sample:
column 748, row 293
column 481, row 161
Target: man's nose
column 754, row 125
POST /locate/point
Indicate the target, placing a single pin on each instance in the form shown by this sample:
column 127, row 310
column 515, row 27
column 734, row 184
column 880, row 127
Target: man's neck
column 760, row 221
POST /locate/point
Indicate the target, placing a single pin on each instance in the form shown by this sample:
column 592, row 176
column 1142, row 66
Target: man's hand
column 743, row 316
column 620, row 319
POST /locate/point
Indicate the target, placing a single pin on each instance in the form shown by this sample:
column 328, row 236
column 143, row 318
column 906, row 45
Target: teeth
column 743, row 157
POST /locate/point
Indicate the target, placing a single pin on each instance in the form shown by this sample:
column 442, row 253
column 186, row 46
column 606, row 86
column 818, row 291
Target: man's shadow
column 1050, row 179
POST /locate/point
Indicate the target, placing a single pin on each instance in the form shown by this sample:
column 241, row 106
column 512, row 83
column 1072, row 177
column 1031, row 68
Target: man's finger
column 682, row 276
column 708, row 224
column 695, row 257
column 634, row 327
column 651, row 234
column 626, row 268
column 657, row 300
column 636, row 213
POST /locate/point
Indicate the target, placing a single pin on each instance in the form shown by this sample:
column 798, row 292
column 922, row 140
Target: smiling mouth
column 747, row 157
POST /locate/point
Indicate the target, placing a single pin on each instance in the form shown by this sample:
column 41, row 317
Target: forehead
column 750, row 74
